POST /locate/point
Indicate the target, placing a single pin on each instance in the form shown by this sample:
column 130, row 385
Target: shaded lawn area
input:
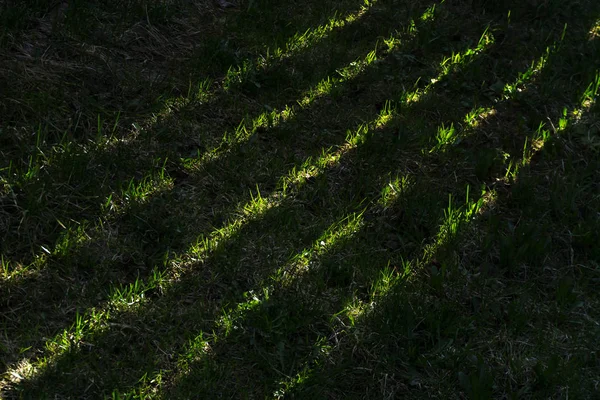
column 302, row 199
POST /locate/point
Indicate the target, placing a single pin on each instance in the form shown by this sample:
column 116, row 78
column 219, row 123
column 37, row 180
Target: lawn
column 316, row 199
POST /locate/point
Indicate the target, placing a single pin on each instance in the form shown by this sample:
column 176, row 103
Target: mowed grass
column 303, row 199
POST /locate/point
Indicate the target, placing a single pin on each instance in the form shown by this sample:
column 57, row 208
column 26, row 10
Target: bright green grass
column 303, row 199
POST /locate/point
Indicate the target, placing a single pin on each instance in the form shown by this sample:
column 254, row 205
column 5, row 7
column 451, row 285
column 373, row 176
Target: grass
column 318, row 199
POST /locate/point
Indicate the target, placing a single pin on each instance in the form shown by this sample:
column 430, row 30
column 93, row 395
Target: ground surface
column 300, row 199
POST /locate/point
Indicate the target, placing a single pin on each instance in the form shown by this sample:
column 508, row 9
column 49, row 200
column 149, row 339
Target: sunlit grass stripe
column 393, row 273
column 242, row 133
column 135, row 192
column 201, row 345
column 259, row 205
column 273, row 118
column 590, row 95
column 455, row 217
column 205, row 245
column 300, row 263
column 295, row 44
column 246, row 213
column 206, row 91
column 288, row 186
column 287, row 274
column 125, row 298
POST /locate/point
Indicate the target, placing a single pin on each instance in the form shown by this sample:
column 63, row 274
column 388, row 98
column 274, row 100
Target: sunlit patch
column 323, row 347
column 23, row 370
column 525, row 78
column 311, row 37
column 477, row 116
column 326, row 85
column 585, row 126
column 388, row 278
column 307, row 260
column 450, row 64
column 395, row 188
column 455, row 216
column 429, row 14
column 69, row 339
column 587, row 132
column 14, row 272
column 446, row 135
column 590, row 95
column 387, row 113
column 595, row 31
column 7, row 268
